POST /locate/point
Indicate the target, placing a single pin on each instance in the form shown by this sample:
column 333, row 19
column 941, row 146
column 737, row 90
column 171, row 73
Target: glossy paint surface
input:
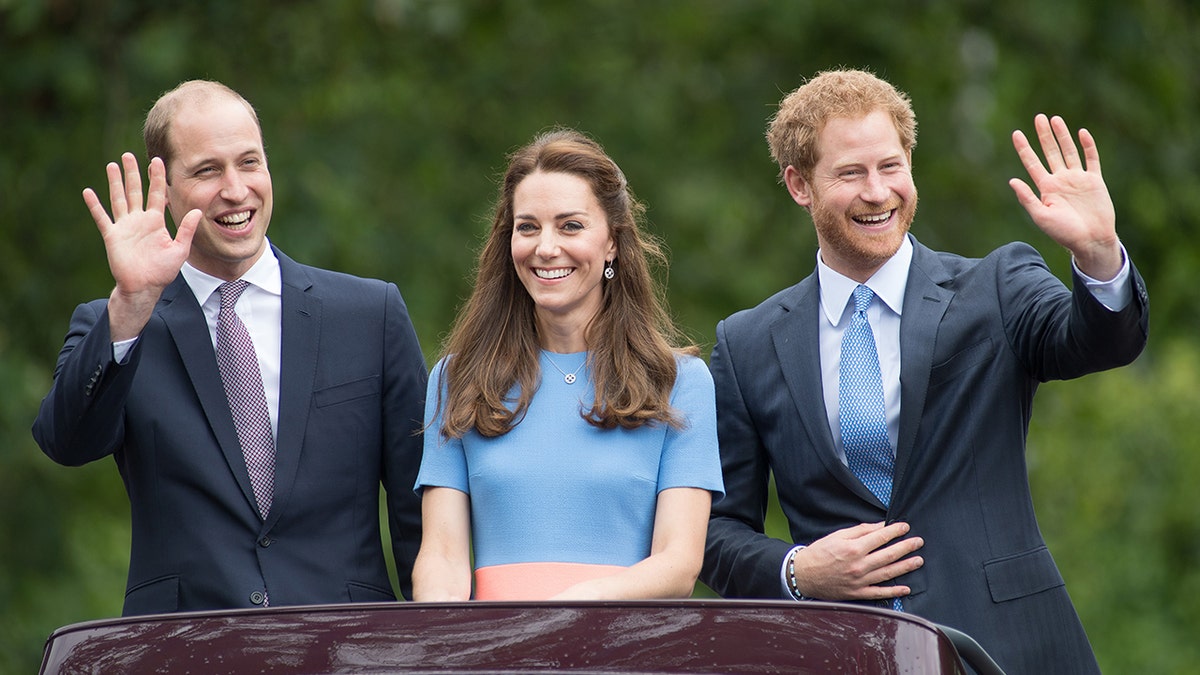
column 685, row 636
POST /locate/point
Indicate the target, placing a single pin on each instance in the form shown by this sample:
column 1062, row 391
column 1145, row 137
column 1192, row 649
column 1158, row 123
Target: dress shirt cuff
column 787, row 575
column 121, row 350
column 1114, row 294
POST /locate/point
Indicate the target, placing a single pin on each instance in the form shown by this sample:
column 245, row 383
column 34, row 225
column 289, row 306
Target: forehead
column 212, row 128
column 554, row 189
column 859, row 139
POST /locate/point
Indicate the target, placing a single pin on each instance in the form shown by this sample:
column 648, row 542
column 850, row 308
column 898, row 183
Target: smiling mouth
column 235, row 221
column 557, row 273
column 875, row 219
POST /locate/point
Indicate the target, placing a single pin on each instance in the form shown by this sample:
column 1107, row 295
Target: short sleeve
column 691, row 456
column 443, row 460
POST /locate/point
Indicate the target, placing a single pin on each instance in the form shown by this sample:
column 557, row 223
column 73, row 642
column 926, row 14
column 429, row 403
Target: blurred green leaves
column 388, row 121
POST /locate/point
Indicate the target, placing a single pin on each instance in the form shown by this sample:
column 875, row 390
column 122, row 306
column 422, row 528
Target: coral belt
column 534, row 581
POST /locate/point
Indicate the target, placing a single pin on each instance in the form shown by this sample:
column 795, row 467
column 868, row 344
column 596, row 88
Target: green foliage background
column 387, row 122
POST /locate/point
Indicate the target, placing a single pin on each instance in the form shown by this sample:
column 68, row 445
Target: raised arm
column 142, row 255
column 1072, row 204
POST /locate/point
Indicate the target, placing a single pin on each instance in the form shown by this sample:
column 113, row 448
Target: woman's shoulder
column 438, row 372
column 691, row 369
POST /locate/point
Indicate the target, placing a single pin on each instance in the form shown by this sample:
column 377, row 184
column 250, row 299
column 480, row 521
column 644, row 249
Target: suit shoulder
column 345, row 288
column 766, row 312
column 335, row 279
column 1013, row 254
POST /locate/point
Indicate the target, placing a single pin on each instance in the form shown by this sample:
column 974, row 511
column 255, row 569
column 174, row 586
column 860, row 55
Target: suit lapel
column 925, row 303
column 185, row 322
column 797, row 346
column 300, row 338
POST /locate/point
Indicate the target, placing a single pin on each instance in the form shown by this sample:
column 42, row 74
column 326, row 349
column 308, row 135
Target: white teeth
column 553, row 274
column 872, row 220
column 235, row 219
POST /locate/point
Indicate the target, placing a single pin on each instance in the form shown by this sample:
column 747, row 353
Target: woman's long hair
column 631, row 341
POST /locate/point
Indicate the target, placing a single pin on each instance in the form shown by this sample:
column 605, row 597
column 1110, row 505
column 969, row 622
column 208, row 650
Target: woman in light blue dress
column 570, row 445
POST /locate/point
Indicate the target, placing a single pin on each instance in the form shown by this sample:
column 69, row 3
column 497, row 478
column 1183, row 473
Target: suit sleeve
column 404, row 414
column 81, row 419
column 740, row 561
column 1061, row 333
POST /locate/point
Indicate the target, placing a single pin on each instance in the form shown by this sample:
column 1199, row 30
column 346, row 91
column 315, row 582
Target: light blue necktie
column 861, row 412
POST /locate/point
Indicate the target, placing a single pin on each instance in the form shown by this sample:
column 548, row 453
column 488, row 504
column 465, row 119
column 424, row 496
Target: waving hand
column 1072, row 204
column 142, row 255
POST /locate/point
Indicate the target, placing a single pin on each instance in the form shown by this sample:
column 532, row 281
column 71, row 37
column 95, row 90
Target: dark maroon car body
column 681, row 636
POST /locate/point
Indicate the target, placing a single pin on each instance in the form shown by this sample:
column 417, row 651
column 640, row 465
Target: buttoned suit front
column 977, row 337
column 352, row 386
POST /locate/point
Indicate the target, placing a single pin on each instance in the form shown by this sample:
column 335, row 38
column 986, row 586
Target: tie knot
column 862, row 298
column 230, row 292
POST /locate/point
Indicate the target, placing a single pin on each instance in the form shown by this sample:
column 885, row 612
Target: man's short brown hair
column 793, row 131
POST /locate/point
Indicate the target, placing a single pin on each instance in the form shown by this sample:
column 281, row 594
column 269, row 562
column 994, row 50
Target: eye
column 572, row 226
column 206, row 171
column 525, row 227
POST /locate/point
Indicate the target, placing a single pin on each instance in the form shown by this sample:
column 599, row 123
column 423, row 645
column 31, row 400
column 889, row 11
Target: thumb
column 1025, row 196
column 187, row 229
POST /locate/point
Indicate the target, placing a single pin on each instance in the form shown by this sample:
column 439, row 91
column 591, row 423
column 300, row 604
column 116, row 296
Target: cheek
column 843, row 201
column 905, row 187
column 176, row 200
column 520, row 251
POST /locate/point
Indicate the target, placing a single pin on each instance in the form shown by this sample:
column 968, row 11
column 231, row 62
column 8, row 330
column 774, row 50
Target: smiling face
column 560, row 242
column 861, row 196
column 219, row 167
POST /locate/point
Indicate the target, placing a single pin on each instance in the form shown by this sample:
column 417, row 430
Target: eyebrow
column 838, row 168
column 208, row 159
column 565, row 214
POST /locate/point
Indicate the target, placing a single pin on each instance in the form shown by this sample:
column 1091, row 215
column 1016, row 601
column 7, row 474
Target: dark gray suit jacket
column 352, row 392
column 976, row 338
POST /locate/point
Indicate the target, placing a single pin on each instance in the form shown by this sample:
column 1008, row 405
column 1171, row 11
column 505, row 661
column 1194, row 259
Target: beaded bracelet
column 791, row 576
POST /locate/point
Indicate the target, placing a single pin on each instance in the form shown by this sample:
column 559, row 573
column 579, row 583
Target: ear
column 797, row 187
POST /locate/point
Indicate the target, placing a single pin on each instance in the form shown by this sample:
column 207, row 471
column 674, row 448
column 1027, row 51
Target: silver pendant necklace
column 569, row 378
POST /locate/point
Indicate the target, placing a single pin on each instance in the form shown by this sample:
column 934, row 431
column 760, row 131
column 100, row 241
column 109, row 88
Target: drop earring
column 609, row 272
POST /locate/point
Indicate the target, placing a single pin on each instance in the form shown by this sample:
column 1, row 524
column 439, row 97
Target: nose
column 547, row 245
column 875, row 190
column 233, row 188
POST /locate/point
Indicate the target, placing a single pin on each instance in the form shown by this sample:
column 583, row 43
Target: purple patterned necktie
column 247, row 401
column 861, row 412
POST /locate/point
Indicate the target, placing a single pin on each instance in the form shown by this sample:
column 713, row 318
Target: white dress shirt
column 837, row 307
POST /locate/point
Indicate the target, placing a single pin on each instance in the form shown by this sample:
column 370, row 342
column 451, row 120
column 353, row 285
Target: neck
column 558, row 338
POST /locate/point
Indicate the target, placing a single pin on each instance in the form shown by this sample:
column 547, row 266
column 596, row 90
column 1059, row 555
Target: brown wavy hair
column 792, row 132
column 632, row 341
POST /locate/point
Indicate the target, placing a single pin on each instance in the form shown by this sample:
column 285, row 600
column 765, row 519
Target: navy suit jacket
column 352, row 391
column 977, row 336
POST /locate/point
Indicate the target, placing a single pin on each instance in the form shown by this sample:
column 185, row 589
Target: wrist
column 1101, row 262
column 129, row 313
column 790, row 575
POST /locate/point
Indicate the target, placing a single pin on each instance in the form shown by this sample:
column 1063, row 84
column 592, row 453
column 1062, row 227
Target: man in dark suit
column 890, row 392
column 253, row 434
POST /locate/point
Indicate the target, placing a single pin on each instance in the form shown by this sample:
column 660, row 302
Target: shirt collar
column 264, row 274
column 888, row 284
